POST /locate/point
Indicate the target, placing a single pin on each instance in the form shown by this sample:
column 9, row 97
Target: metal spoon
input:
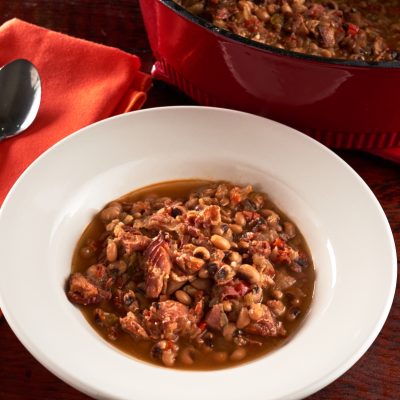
column 20, row 94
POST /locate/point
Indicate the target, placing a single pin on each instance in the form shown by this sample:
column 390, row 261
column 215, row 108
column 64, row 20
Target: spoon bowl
column 20, row 95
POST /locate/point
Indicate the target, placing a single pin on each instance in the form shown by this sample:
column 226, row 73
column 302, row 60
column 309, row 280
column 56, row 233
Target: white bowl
column 343, row 223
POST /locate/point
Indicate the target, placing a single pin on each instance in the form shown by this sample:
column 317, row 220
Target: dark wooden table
column 118, row 23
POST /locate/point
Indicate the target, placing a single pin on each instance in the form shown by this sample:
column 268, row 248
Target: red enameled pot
column 347, row 104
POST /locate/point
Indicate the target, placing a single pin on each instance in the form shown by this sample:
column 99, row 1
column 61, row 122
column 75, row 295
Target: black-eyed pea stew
column 193, row 274
column 366, row 30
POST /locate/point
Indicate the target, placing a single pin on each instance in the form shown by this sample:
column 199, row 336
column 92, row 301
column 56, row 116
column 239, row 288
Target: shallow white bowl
column 343, row 223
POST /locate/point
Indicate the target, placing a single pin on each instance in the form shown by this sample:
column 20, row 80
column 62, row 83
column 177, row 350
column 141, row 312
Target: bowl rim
column 181, row 11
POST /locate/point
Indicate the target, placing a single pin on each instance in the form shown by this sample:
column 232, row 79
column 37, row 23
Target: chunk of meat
column 238, row 194
column 261, row 247
column 198, row 308
column 132, row 325
column 186, row 261
column 267, row 325
column 141, row 207
column 379, row 46
column 277, row 307
column 133, row 242
column 237, row 289
column 327, row 35
column 97, row 274
column 283, row 253
column 216, row 317
column 82, row 291
column 161, row 221
column 298, row 26
column 315, row 11
column 158, row 265
column 209, row 216
column 108, row 321
column 170, row 319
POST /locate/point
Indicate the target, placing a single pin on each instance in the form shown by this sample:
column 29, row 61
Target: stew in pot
column 367, row 30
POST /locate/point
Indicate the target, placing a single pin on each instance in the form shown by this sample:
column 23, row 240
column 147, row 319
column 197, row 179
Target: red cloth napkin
column 82, row 82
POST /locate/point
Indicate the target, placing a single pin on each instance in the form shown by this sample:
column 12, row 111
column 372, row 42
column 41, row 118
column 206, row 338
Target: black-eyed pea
column 286, row 9
column 111, row 225
column 118, row 229
column 227, row 305
column 295, row 301
column 293, row 313
column 236, row 228
column 220, row 356
column 119, row 267
column 128, row 219
column 272, row 218
column 111, row 212
column 257, row 294
column 196, row 262
column 197, row 8
column 326, row 53
column 248, row 299
column 289, row 229
column 238, row 354
column 173, row 286
column 168, row 358
column 186, row 356
column 235, row 257
column 228, row 331
column 258, row 259
column 201, row 284
column 278, row 294
column 240, row 219
column 234, row 265
column 183, row 297
column 190, row 290
column 87, row 251
column 220, row 242
column 243, row 244
column 256, row 311
column 201, row 252
column 203, row 273
column 272, row 235
column 224, row 274
column 261, row 14
column 243, row 318
column 248, row 273
column 112, row 251
column 217, row 230
column 234, row 246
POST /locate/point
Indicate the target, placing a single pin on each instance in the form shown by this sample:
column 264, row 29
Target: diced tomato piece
column 202, row 325
column 279, row 242
column 352, row 29
column 241, row 288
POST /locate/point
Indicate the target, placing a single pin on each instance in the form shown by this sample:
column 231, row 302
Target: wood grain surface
column 118, row 23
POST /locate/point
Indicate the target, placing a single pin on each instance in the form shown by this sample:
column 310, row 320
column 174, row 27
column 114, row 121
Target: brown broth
column 204, row 361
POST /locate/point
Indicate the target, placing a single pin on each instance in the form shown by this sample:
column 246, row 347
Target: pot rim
column 274, row 50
